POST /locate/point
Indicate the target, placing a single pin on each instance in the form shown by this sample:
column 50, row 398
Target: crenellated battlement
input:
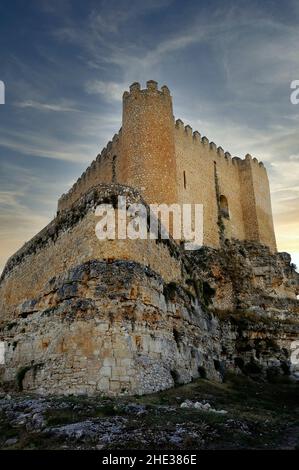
column 151, row 89
column 196, row 139
column 97, row 171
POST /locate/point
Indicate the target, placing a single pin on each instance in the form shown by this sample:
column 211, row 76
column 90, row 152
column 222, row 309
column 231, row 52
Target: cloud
column 42, row 146
column 109, row 90
column 45, row 107
column 80, row 143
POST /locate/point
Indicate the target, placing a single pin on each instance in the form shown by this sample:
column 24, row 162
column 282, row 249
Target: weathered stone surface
column 247, row 276
column 69, row 241
column 118, row 328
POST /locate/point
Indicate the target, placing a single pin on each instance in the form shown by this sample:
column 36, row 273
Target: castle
column 168, row 163
column 136, row 316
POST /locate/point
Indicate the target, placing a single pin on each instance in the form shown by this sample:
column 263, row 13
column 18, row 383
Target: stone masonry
column 169, row 163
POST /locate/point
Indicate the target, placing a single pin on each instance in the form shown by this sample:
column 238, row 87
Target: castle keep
column 168, row 163
column 136, row 316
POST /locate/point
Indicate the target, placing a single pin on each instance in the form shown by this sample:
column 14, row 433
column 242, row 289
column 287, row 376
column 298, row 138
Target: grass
column 57, row 417
column 260, row 415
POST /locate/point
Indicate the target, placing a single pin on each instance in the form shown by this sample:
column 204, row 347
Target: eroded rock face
column 107, row 327
column 253, row 292
column 117, row 328
column 247, row 276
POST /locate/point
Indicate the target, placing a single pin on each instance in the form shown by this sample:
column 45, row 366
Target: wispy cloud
column 45, row 106
column 40, row 146
column 109, row 90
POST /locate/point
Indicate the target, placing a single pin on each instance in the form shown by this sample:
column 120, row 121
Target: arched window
column 224, row 207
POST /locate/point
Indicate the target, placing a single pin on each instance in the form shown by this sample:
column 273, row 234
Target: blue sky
column 66, row 63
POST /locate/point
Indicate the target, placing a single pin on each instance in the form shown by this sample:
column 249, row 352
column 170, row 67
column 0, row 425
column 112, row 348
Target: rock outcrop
column 116, row 327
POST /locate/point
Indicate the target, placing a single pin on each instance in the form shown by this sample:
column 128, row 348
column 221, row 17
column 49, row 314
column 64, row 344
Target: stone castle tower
column 136, row 316
column 168, row 163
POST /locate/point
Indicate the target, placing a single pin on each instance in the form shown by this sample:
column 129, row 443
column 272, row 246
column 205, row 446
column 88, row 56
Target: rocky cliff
column 117, row 327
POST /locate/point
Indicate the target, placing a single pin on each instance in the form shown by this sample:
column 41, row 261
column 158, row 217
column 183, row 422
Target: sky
column 66, row 63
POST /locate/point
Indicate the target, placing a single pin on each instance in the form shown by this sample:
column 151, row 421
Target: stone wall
column 70, row 240
column 105, row 169
column 117, row 328
column 200, row 168
column 205, row 173
column 266, row 234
